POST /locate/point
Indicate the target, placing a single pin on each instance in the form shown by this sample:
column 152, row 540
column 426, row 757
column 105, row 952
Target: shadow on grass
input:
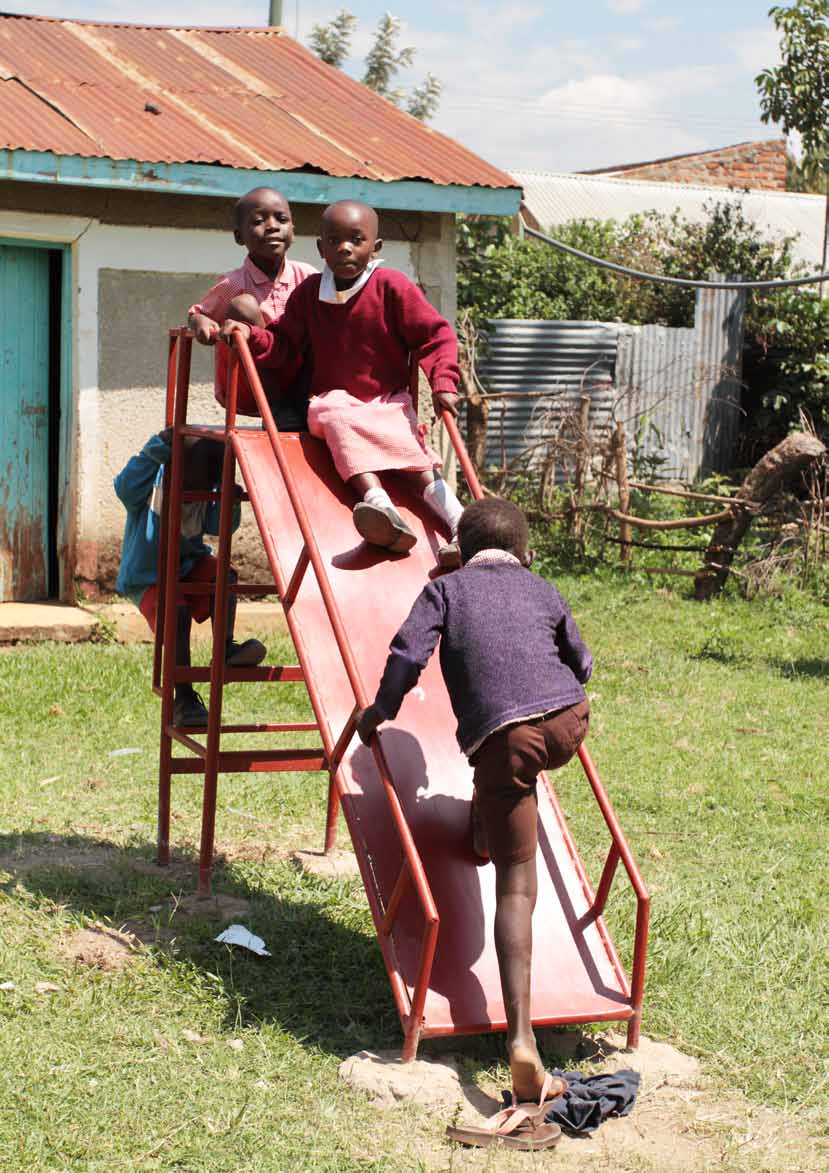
column 795, row 669
column 325, row 982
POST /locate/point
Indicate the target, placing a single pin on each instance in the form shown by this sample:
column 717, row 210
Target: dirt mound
column 100, row 947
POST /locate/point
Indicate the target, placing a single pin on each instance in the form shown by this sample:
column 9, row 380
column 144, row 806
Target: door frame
column 65, row 536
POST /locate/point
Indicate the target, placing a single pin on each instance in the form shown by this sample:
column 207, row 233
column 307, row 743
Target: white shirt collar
column 491, row 557
column 328, row 289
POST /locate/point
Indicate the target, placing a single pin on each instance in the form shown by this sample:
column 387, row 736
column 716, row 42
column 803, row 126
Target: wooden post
column 477, row 416
column 618, row 443
column 582, row 463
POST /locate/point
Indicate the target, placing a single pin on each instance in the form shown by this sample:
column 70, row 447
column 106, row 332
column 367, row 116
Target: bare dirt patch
column 332, row 865
column 681, row 1122
column 100, row 947
column 248, row 851
column 55, row 853
column 218, row 907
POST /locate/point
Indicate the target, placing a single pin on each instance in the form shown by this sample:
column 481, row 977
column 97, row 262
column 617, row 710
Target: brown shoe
column 383, row 527
column 449, row 556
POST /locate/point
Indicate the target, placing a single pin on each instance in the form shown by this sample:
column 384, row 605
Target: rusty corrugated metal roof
column 247, row 98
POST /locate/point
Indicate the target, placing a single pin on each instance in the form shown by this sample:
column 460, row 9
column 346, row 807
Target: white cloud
column 663, row 24
column 626, row 7
column 629, row 44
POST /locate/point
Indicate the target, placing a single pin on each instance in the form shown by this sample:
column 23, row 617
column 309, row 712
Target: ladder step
column 251, row 761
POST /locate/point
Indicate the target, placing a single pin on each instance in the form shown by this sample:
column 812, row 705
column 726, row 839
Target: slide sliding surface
column 576, row 973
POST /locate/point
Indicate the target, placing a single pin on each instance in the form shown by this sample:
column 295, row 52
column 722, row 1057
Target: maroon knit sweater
column 362, row 345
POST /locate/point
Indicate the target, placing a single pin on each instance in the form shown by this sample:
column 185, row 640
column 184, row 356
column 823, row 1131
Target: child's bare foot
column 528, row 1074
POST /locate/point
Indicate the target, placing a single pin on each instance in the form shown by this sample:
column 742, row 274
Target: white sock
column 442, row 501
column 378, row 496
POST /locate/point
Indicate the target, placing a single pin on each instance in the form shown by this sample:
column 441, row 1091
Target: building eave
column 230, row 182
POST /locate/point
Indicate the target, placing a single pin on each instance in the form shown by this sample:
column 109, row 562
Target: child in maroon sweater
column 360, row 323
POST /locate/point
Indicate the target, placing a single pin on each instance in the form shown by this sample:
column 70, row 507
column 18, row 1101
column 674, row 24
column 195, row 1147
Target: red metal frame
column 211, row 759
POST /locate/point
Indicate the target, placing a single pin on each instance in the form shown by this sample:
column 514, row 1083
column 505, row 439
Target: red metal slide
column 406, row 800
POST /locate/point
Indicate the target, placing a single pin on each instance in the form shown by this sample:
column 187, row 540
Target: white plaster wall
column 110, row 425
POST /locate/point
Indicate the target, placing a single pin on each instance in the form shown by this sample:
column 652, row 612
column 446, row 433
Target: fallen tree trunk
column 779, row 467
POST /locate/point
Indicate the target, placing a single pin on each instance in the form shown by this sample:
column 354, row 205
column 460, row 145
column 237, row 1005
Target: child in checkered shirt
column 257, row 291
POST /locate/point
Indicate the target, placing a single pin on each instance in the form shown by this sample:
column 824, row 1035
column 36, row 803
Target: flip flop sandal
column 520, row 1126
column 552, row 1088
column 382, row 527
column 530, row 1140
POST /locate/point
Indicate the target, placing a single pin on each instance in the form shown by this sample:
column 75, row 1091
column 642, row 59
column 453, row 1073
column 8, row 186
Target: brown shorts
column 506, row 768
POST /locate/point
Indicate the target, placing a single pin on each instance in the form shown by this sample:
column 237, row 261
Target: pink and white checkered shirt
column 271, row 295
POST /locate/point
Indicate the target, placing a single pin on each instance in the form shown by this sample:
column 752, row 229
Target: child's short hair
column 492, row 524
column 203, row 459
column 240, row 208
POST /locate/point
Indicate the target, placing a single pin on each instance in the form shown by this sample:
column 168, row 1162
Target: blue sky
column 542, row 86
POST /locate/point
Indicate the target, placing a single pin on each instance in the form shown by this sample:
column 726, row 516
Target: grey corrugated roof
column 554, row 197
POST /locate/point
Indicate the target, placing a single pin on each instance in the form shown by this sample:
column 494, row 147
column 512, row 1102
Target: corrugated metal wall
column 676, row 390
column 537, row 372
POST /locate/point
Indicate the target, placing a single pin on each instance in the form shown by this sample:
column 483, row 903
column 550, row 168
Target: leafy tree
column 332, row 44
column 384, row 60
column 801, row 175
column 425, row 98
column 502, row 277
column 795, row 93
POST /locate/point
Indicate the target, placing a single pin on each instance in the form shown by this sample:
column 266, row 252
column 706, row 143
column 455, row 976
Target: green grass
column 709, row 731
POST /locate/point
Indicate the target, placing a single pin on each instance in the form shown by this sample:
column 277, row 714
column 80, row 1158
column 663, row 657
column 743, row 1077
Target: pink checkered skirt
column 379, row 435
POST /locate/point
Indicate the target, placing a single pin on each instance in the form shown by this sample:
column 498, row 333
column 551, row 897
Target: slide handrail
column 240, row 355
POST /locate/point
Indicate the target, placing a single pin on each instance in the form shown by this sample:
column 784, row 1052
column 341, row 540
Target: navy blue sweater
column 509, row 649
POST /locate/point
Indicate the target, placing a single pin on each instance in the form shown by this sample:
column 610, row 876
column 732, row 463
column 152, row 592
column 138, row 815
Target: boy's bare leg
column 245, row 308
column 516, row 888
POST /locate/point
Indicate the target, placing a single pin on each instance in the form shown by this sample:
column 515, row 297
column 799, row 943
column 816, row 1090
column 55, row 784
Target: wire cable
column 786, row 283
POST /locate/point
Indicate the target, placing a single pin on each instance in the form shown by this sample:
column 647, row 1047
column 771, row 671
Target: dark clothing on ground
column 510, row 649
column 592, row 1099
column 506, row 768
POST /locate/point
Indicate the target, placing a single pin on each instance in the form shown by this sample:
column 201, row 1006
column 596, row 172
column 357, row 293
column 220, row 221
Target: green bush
column 787, row 333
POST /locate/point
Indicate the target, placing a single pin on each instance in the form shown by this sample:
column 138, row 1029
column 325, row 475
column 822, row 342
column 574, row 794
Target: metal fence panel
column 677, row 390
column 536, row 372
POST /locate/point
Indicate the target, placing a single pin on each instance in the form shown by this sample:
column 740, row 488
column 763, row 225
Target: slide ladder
column 405, row 799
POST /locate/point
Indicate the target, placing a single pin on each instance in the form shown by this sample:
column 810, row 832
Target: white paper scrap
column 239, row 935
column 122, row 753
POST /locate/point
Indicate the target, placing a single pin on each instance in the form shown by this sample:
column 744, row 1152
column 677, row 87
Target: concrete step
column 31, row 622
column 251, row 619
column 27, row 622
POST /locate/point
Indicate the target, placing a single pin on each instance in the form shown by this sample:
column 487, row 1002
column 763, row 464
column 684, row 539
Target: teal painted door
column 24, row 423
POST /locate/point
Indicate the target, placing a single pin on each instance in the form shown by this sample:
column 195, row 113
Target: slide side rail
column 412, row 871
